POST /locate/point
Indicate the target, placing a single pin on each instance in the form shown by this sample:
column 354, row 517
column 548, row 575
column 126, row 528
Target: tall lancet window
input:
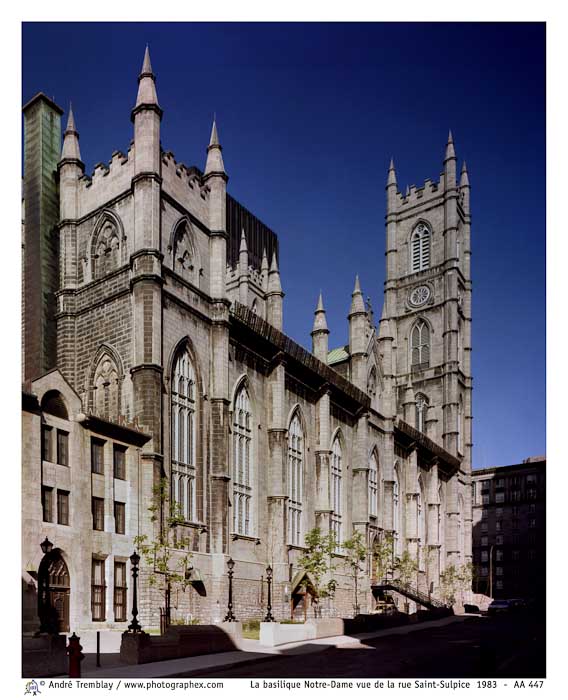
column 373, row 484
column 460, row 426
column 420, row 248
column 242, row 464
column 336, row 473
column 421, row 526
column 420, row 345
column 396, row 519
column 295, row 480
column 183, row 437
column 421, row 408
column 441, row 529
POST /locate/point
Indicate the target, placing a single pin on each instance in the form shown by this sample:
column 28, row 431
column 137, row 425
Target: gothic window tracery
column 295, row 479
column 336, row 490
column 373, row 483
column 420, row 242
column 106, row 388
column 372, row 383
column 242, row 463
column 396, row 514
column 183, row 449
column 106, row 250
column 420, row 345
column 185, row 260
column 421, row 408
column 421, row 525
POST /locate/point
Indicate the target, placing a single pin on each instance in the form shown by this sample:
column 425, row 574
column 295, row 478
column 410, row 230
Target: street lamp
column 135, row 626
column 229, row 617
column 46, row 546
column 48, row 620
column 269, row 617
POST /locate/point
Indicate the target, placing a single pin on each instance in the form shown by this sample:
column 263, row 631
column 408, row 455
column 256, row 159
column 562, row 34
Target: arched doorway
column 54, row 587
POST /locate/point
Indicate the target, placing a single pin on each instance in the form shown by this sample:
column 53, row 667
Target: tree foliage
column 167, row 554
column 317, row 560
column 383, row 555
column 355, row 551
column 454, row 579
column 406, row 567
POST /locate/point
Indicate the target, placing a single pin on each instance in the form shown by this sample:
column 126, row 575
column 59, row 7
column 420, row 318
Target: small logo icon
column 32, row 687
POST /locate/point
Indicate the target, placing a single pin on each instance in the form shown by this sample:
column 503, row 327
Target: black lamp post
column 135, row 626
column 47, row 623
column 229, row 617
column 269, row 617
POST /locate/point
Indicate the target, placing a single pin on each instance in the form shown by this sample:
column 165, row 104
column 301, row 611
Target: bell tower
column 428, row 308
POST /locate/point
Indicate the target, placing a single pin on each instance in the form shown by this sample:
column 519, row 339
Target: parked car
column 499, row 606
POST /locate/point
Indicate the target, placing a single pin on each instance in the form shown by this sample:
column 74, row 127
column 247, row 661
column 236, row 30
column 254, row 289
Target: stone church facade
column 154, row 351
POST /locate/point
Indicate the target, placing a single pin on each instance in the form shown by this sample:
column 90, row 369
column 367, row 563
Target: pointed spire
column 391, row 180
column 147, row 84
column 70, row 150
column 214, row 162
column 274, row 276
column 450, row 151
column 243, row 247
column 320, row 320
column 464, row 180
column 357, row 302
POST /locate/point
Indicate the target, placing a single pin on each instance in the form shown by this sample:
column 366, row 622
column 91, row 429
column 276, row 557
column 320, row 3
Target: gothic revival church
column 154, row 352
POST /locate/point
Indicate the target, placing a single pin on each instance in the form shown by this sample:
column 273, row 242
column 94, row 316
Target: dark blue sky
column 309, row 116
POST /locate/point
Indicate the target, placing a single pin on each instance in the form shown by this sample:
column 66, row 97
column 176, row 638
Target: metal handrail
column 422, row 598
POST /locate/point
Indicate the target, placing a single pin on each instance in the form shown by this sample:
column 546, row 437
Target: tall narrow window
column 373, row 484
column 460, row 426
column 119, row 591
column 396, row 514
column 97, row 456
column 242, row 468
column 421, row 408
column 46, row 432
column 421, row 515
column 183, row 437
column 420, row 248
column 47, row 503
column 420, row 345
column 98, row 510
column 119, row 518
column 295, row 480
column 98, row 590
column 119, row 461
column 62, row 507
column 63, row 447
column 336, row 473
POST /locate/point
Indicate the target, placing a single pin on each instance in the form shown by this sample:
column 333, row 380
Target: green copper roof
column 338, row 355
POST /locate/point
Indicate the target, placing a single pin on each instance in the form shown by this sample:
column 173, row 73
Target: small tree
column 383, row 555
column 167, row 554
column 317, row 560
column 449, row 584
column 355, row 551
column 406, row 567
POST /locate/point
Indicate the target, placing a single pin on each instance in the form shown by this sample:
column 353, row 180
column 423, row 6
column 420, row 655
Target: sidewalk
column 249, row 653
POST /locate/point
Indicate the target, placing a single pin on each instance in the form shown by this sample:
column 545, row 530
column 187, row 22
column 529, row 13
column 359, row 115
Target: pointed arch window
column 396, row 519
column 420, row 345
column 242, row 463
column 295, row 480
column 106, row 253
column 460, row 426
column 183, row 412
column 336, row 490
column 420, row 248
column 373, row 484
column 421, row 408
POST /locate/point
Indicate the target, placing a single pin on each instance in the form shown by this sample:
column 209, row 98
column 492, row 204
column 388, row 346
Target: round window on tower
column 420, row 295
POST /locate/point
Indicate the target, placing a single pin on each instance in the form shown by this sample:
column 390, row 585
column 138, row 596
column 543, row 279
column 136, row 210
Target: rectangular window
column 499, row 584
column 498, row 555
column 484, row 513
column 498, row 526
column 98, row 507
column 514, row 511
column 484, row 555
column 483, row 527
column 516, row 495
column 62, row 507
column 531, row 478
column 97, row 456
column 47, row 504
column 499, row 497
column 532, row 507
column 500, row 483
column 98, row 590
column 46, row 438
column 531, row 493
column 485, row 499
column 119, row 461
column 532, row 522
column 485, row 486
column 119, row 518
column 484, row 541
column 484, row 571
column 119, row 591
column 498, row 571
column 498, row 512
column 515, row 555
column 63, row 448
column 499, row 539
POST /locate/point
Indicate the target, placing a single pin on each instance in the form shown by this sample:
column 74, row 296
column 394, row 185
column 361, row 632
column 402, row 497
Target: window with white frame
column 336, row 473
column 373, row 484
column 420, row 345
column 420, row 248
column 396, row 514
column 460, row 426
column 242, row 464
column 421, row 514
column 183, row 410
column 295, row 480
column 421, row 408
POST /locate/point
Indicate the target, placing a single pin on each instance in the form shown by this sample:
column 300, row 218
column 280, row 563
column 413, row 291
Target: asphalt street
column 507, row 646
